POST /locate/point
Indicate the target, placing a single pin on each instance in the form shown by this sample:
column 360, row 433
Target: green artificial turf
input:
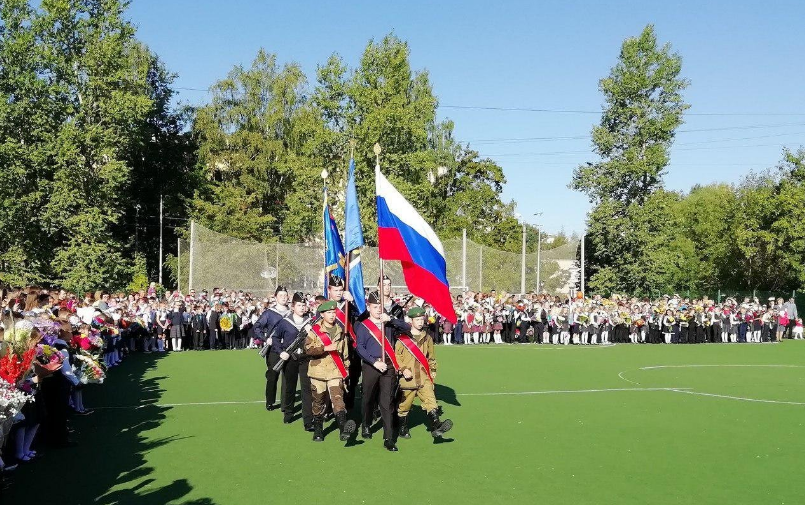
column 557, row 445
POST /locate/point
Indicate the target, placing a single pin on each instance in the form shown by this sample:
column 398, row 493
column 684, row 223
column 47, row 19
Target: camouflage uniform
column 324, row 374
column 420, row 385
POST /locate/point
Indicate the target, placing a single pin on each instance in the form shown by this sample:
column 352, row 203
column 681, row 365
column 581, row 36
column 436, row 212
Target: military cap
column 326, row 306
column 374, row 297
column 298, row 297
column 416, row 312
column 335, row 282
column 279, row 288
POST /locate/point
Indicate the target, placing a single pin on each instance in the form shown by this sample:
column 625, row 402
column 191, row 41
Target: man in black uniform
column 379, row 371
column 263, row 329
column 295, row 368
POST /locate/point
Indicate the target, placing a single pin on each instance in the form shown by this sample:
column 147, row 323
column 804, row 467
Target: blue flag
column 333, row 248
column 353, row 237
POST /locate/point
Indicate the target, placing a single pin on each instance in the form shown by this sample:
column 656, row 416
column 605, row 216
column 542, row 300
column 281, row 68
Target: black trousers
column 539, row 329
column 378, row 389
column 307, row 393
column 272, row 377
column 198, row 340
column 215, row 337
column 294, row 373
column 353, row 379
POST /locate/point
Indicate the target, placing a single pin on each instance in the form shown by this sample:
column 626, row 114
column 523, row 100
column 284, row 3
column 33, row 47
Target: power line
column 589, row 151
column 561, row 111
column 581, row 137
column 572, row 111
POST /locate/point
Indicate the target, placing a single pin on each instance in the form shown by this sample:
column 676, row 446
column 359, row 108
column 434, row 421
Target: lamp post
column 539, row 247
column 522, row 271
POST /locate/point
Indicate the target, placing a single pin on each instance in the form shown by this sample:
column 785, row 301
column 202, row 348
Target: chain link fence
column 210, row 259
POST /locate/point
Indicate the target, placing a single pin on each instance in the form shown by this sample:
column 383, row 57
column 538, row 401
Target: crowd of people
column 491, row 318
column 54, row 343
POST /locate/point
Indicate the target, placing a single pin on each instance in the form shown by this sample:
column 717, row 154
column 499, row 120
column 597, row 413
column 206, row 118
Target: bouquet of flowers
column 11, row 401
column 671, row 320
column 749, row 317
column 48, row 355
column 226, row 323
column 626, row 318
column 640, row 322
column 683, row 319
column 584, row 318
column 48, row 328
column 14, row 366
column 90, row 371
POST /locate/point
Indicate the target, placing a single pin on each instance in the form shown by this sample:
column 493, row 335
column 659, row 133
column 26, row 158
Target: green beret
column 416, row 312
column 325, row 306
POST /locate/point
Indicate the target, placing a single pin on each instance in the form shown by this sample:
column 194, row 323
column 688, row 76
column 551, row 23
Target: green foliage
column 644, row 106
column 139, row 279
column 266, row 136
column 87, row 135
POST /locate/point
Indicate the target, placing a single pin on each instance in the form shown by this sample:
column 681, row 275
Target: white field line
column 512, row 393
column 627, row 380
column 739, row 398
column 656, row 367
column 717, row 366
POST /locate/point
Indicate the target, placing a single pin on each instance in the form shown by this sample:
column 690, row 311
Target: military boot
column 437, row 427
column 404, row 433
column 318, row 429
column 345, row 426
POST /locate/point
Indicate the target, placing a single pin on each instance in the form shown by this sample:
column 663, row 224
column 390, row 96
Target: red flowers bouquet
column 14, row 367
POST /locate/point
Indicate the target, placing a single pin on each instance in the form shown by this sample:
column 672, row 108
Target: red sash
column 325, row 339
column 375, row 331
column 341, row 317
column 409, row 344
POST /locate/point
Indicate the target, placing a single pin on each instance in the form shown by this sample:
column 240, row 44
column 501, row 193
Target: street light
column 522, row 271
column 539, row 246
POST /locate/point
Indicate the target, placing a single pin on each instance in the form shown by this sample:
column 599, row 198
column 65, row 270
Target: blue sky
column 744, row 61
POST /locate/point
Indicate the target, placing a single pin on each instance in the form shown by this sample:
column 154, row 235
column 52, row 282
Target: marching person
column 336, row 293
column 328, row 347
column 417, row 360
column 295, row 367
column 263, row 329
column 379, row 371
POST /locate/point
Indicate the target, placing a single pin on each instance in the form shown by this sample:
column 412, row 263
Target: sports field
column 627, row 424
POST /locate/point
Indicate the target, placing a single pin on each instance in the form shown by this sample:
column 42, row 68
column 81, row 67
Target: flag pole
column 324, row 175
column 352, row 143
column 378, row 150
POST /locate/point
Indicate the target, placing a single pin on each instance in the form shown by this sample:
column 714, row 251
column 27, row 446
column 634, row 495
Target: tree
column 644, row 106
column 30, row 113
column 251, row 139
column 85, row 119
column 265, row 138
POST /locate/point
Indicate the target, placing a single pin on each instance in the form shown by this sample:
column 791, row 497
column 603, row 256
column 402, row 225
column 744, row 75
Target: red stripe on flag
column 420, row 282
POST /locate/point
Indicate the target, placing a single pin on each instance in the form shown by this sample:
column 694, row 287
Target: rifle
column 299, row 341
column 398, row 311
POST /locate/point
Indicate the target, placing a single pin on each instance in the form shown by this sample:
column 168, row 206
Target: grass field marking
column 719, row 365
column 565, row 391
column 627, row 380
column 543, row 347
column 656, row 367
column 728, row 397
column 505, row 393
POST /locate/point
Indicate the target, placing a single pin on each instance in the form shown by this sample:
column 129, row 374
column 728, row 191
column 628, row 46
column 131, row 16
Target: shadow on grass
column 108, row 451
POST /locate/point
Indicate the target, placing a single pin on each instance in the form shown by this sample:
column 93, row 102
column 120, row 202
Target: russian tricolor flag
column 404, row 236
